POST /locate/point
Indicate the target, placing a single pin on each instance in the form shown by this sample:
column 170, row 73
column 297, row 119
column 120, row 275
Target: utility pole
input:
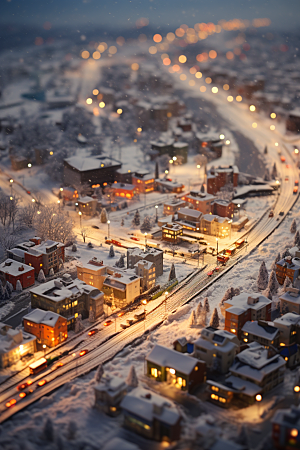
column 144, row 319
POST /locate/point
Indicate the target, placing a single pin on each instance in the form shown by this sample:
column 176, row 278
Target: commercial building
column 14, row 344
column 39, row 255
column 151, row 415
column 154, row 255
column 286, row 268
column 87, row 205
column 216, row 226
column 120, row 289
column 92, row 273
column 49, row 328
column 243, row 308
column 69, row 298
column 145, row 270
column 14, row 271
column 200, row 201
column 286, row 428
column 124, row 190
column 289, row 328
column 223, row 208
column 172, row 232
column 220, row 177
column 163, row 185
column 143, row 182
column 217, row 348
column 182, row 371
column 262, row 332
column 189, row 219
column 256, row 371
column 290, row 300
column 109, row 393
column 170, row 208
column 92, row 170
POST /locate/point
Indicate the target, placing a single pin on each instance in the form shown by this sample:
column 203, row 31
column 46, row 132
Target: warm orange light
column 176, row 68
column 208, row 80
column 157, row 38
column 95, row 92
column 22, row 394
column 135, row 66
column 212, row 54
column 239, row 98
column 202, row 88
column 96, row 55
column 230, row 98
column 119, row 110
column 226, row 87
column 182, row 59
column 272, row 127
column 182, row 77
column 85, row 54
column 180, row 32
column 166, row 61
column 192, row 82
column 171, row 37
column 152, row 50
column 198, row 75
column 120, row 41
column 254, row 125
column 229, row 55
column 193, row 70
column 112, row 49
column 42, row 382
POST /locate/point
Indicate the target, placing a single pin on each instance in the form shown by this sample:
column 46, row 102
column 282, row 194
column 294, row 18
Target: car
column 107, row 323
column 296, row 182
column 295, row 190
column 42, row 383
column 217, row 269
column 210, row 273
column 287, row 166
column 90, row 245
column 120, row 314
column 286, row 178
column 92, row 332
column 271, row 213
column 58, row 366
column 11, row 402
column 95, row 226
column 28, row 392
column 22, row 394
column 108, row 241
column 83, row 352
column 23, row 386
column 281, row 213
column 28, row 192
column 134, row 238
column 282, row 158
column 201, row 242
column 124, row 325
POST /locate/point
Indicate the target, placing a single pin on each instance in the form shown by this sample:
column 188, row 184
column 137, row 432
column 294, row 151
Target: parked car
column 134, row 238
column 271, row 213
column 107, row 323
column 83, row 352
column 90, row 245
column 295, row 190
column 281, row 213
column 124, row 325
column 92, row 332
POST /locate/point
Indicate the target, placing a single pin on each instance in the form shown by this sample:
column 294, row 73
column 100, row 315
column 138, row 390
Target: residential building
column 154, row 255
column 220, row 177
column 164, row 185
column 180, row 151
column 87, row 205
column 92, row 273
column 92, row 170
column 120, row 288
column 286, row 428
column 143, row 182
column 293, row 121
column 109, row 393
column 217, row 348
column 39, row 255
column 286, row 268
column 243, row 308
column 262, row 332
column 182, row 371
column 14, row 345
column 69, row 298
column 49, row 328
column 189, row 219
column 145, row 270
column 172, row 232
column 290, row 300
column 151, row 415
column 14, row 271
column 124, row 190
column 216, row 226
column 255, row 371
column 200, row 201
column 223, row 208
column 170, row 208
column 289, row 328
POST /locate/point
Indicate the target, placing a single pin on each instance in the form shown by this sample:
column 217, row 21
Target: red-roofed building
column 13, row 271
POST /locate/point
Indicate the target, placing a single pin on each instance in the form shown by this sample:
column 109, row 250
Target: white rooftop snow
column 166, row 357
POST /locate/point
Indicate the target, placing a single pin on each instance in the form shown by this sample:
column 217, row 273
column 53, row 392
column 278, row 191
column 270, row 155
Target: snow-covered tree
column 297, row 239
column 91, row 316
column 230, row 293
column 78, row 324
column 202, row 189
column 48, row 430
column 268, row 293
column 41, row 276
column 146, row 225
column 293, row 227
column 71, row 430
column 121, row 262
column 53, row 224
column 103, row 216
column 19, row 286
column 74, row 248
column 9, row 288
column 267, row 176
column 285, row 253
column 266, row 150
column 199, row 310
column 287, row 282
column 2, row 292
column 111, row 251
column 51, row 272
column 99, row 373
column 172, row 274
column 201, row 319
column 122, row 223
column 214, row 320
column 136, row 219
column 193, row 319
column 206, row 305
column 263, row 277
column 273, row 283
column 132, row 379
column 274, row 173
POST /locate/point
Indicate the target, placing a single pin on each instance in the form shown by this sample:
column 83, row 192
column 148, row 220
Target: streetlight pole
column 156, row 208
column 145, row 319
column 217, row 247
column 145, row 241
column 11, row 186
column 108, row 233
column 80, row 214
column 58, row 201
column 199, row 167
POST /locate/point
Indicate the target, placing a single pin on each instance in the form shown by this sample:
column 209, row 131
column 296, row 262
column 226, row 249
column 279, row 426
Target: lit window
column 215, row 388
column 76, row 315
column 154, row 372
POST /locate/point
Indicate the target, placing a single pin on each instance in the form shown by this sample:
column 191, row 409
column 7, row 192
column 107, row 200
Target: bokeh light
column 135, row 66
column 89, row 101
column 157, row 38
column 182, row 59
column 202, row 88
column 214, row 90
column 230, row 98
column 152, row 50
column 85, row 54
column 254, row 125
column 182, row 77
column 101, row 104
column 239, row 98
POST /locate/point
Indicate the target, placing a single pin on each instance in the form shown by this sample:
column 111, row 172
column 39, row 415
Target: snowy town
column 149, row 230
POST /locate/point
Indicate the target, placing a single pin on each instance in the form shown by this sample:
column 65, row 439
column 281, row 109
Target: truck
column 222, row 258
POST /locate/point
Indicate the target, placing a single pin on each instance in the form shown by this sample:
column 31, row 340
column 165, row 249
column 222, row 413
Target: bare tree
column 8, row 237
column 83, row 233
column 54, row 224
column 8, row 209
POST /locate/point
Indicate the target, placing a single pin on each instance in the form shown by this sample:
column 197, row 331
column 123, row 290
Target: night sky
column 284, row 14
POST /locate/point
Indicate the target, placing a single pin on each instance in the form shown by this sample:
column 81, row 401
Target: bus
column 38, row 366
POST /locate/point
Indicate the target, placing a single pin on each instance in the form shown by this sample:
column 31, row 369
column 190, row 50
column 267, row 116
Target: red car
column 12, row 402
column 107, row 323
column 210, row 273
column 42, row 383
column 23, row 386
column 282, row 158
column 92, row 332
column 83, row 352
column 134, row 238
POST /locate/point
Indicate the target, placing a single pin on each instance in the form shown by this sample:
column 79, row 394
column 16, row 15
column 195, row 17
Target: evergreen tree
column 193, row 319
column 156, row 170
column 103, row 216
column 285, row 253
column 99, row 373
column 202, row 190
column 274, row 173
column 267, row 176
column 230, row 293
column 121, row 262
column 297, row 239
column 74, row 248
column 172, row 274
column 7, row 294
column 199, row 310
column 206, row 305
column 273, row 267
column 122, row 223
column 48, row 431
column 51, row 272
column 266, row 150
column 273, row 283
column 71, row 430
column 263, row 277
column 286, row 284
column 111, row 251
column 1, row 291
column 10, row 288
column 19, row 286
column 132, row 379
column 41, row 276
column 146, row 225
column 268, row 293
column 293, row 228
column 201, row 320
column 215, row 321
column 136, row 219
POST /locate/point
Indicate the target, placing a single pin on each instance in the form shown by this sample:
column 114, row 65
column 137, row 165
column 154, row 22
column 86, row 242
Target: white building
column 145, row 270
column 14, row 344
column 154, row 255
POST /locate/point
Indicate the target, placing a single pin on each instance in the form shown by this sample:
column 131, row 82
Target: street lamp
column 145, row 240
column 80, row 214
column 217, row 246
column 166, row 172
column 258, row 398
column 58, row 201
column 44, row 347
column 108, row 234
column 11, row 190
column 156, row 208
column 199, row 167
column 239, row 206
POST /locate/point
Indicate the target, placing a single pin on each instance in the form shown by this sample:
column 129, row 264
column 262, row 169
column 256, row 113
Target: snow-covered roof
column 48, row 318
column 127, row 187
column 199, row 196
column 247, row 301
column 210, row 337
column 252, row 188
column 120, row 279
column 149, row 406
column 168, row 184
column 147, row 264
column 13, row 339
column 111, row 385
column 190, row 212
column 86, row 199
column 290, row 418
column 17, row 252
column 265, row 332
column 166, row 357
column 83, row 163
column 291, row 297
column 56, row 290
column 287, row 319
column 180, row 145
column 237, row 385
column 137, row 251
column 14, row 268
